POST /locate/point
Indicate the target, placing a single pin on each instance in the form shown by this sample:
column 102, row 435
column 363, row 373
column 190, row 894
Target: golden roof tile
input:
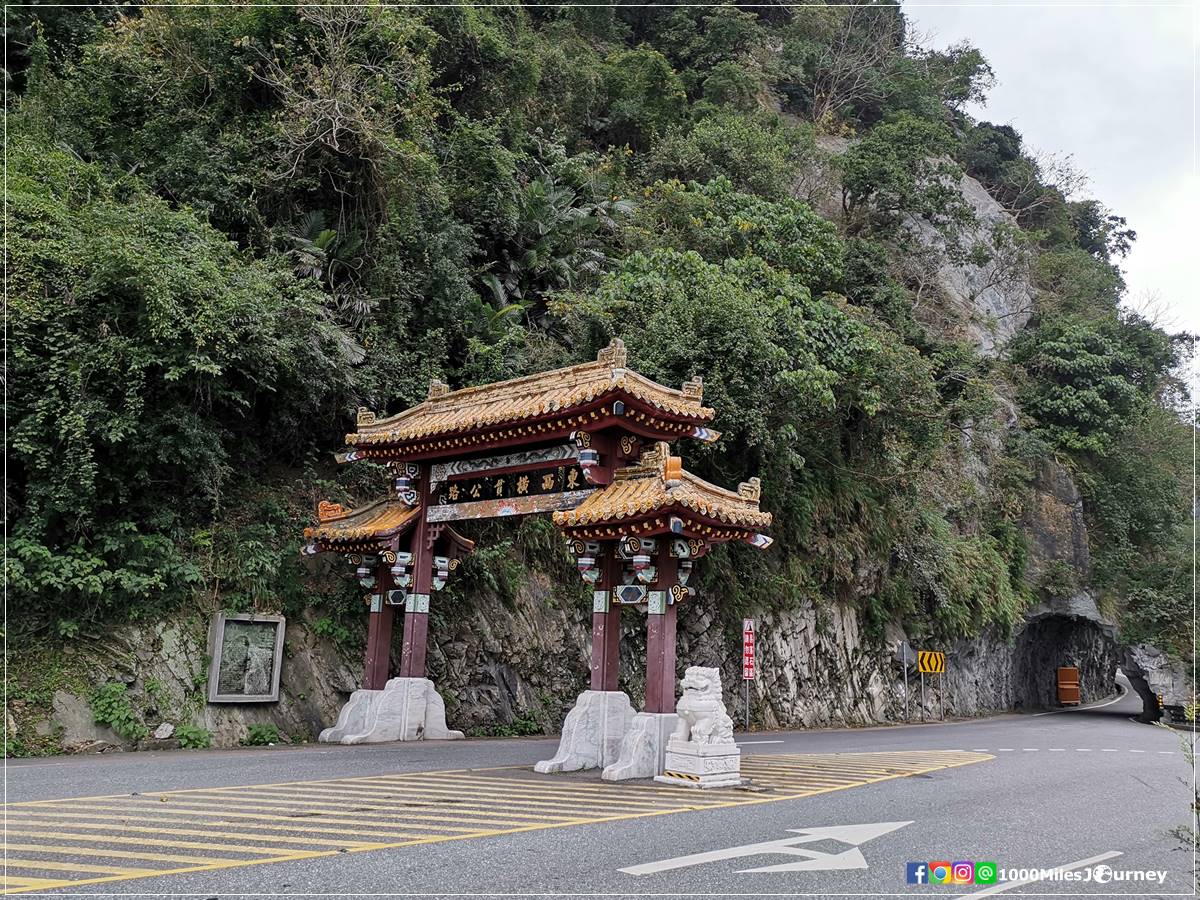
column 658, row 482
column 381, row 519
column 530, row 397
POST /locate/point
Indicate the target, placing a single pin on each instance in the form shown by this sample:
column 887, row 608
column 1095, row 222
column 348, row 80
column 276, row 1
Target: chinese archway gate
column 589, row 444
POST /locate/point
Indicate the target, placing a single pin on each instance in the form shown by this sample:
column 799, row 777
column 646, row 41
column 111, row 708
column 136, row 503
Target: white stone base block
column 407, row 709
column 643, row 748
column 701, row 765
column 592, row 732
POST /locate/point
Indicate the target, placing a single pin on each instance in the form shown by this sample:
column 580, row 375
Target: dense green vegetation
column 230, row 227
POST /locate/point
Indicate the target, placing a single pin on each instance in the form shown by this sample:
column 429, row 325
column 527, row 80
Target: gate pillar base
column 592, row 732
column 407, row 709
column 643, row 748
column 693, row 765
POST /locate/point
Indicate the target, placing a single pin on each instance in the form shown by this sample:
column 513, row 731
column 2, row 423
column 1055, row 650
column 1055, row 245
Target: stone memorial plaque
column 246, row 652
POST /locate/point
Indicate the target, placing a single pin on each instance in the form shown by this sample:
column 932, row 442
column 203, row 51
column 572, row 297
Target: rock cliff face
column 987, row 295
column 163, row 666
column 978, row 277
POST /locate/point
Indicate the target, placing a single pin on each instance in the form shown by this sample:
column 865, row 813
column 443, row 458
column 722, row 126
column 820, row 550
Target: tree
column 901, row 168
column 1090, row 378
column 1100, row 232
column 844, row 71
column 721, row 223
column 645, row 97
column 150, row 361
column 759, row 154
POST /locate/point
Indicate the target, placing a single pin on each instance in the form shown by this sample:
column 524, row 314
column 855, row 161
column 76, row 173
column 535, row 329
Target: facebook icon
column 916, row 873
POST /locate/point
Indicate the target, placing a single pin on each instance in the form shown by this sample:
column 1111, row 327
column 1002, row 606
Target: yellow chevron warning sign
column 931, row 662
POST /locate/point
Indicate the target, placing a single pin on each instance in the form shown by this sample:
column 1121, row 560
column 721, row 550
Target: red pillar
column 606, row 622
column 379, row 633
column 416, row 608
column 660, row 636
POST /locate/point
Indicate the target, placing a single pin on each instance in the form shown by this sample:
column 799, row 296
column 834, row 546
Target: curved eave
column 645, row 419
column 667, row 522
column 374, row 526
column 659, row 518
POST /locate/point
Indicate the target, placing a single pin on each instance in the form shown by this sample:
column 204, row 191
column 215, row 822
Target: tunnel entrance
column 1055, row 640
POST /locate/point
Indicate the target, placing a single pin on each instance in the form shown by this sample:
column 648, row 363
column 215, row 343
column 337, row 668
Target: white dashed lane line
column 1077, row 750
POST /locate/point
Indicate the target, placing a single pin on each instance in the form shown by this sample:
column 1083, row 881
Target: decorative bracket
column 407, row 475
column 587, row 556
column 401, row 577
column 589, row 456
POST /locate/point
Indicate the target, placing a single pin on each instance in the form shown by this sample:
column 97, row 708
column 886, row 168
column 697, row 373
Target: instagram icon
column 962, row 873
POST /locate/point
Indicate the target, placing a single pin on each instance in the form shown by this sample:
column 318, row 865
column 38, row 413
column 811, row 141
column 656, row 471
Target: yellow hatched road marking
column 513, row 786
column 496, row 792
column 822, row 771
column 411, row 800
column 195, row 808
column 20, row 882
column 147, row 841
column 353, row 802
column 116, row 854
column 518, row 798
column 652, row 797
column 793, row 783
column 432, row 809
column 47, row 866
column 805, row 772
column 804, row 766
column 376, row 833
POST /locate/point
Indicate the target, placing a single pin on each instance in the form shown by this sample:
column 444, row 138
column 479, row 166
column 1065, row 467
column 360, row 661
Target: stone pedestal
column 643, row 747
column 701, row 765
column 407, row 709
column 592, row 732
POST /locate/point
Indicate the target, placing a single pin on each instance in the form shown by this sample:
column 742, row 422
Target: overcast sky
column 1113, row 85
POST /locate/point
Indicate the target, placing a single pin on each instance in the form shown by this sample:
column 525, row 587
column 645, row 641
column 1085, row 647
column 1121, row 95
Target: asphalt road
column 1074, row 788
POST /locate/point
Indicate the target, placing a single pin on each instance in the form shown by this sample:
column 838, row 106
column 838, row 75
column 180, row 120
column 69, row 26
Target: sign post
column 934, row 662
column 747, row 664
column 906, row 656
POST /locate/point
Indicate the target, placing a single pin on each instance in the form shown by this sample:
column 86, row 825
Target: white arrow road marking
column 815, row 860
column 820, row 862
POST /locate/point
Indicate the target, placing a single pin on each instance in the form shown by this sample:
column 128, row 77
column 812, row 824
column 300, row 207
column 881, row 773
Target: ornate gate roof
column 546, row 406
column 658, row 495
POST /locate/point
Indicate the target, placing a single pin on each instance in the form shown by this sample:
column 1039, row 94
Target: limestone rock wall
column 978, row 281
column 164, row 667
column 517, row 668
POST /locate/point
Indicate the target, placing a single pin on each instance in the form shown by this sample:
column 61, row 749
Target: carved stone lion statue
column 702, row 716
